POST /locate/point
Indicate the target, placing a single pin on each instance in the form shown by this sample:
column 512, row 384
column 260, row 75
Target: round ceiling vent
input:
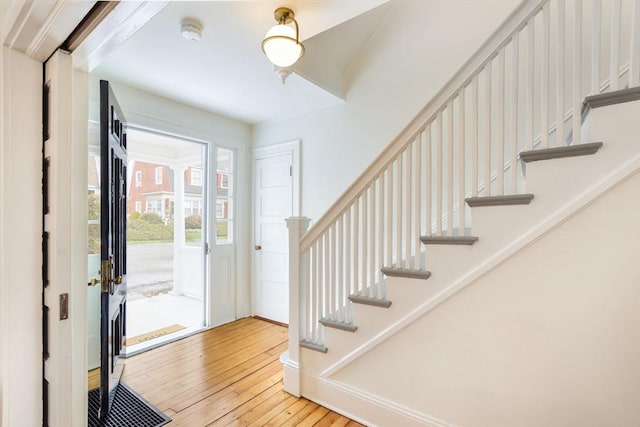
column 191, row 30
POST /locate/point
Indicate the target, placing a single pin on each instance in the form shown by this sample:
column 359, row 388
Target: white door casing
column 66, row 225
column 276, row 198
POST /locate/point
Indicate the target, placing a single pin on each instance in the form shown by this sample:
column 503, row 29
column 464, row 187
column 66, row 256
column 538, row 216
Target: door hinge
column 290, row 170
column 64, row 306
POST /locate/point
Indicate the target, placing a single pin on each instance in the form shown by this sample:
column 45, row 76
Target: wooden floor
column 229, row 375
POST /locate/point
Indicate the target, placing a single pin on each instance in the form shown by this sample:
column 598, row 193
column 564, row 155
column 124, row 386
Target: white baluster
column 341, row 297
column 372, row 239
column 487, row 133
column 461, row 163
column 348, row 258
column 417, row 231
column 365, row 249
column 389, row 223
column 530, row 81
column 399, row 217
column 334, row 301
column 315, row 292
column 595, row 47
column 381, row 246
column 614, row 64
column 474, row 137
column 428, row 164
column 500, row 124
column 634, row 55
column 514, row 114
column 408, row 211
column 544, row 69
column 450, row 168
column 560, row 135
column 438, row 183
column 357, row 259
column 326, row 286
column 577, row 73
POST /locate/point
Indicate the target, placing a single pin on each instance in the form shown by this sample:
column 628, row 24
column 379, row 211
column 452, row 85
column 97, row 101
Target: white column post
column 298, row 272
column 178, row 229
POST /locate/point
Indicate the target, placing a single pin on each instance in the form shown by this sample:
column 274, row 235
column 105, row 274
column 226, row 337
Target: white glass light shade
column 281, row 47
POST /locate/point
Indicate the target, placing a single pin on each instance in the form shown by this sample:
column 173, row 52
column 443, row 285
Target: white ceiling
column 227, row 73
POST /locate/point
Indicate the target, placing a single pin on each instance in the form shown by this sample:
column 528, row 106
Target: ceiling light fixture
column 282, row 44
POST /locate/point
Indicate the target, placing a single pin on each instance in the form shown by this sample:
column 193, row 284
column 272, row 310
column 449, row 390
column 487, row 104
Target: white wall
column 160, row 114
column 20, row 238
column 556, row 345
column 413, row 54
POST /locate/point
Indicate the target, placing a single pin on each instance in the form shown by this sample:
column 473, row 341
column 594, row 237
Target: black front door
column 113, row 232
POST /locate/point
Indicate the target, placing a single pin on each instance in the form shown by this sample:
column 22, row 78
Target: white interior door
column 274, row 203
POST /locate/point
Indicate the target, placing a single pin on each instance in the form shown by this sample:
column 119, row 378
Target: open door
column 113, row 259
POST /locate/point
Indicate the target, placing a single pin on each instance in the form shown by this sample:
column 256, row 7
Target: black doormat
column 127, row 410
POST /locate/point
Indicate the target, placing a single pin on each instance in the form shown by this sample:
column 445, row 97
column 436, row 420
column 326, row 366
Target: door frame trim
column 294, row 148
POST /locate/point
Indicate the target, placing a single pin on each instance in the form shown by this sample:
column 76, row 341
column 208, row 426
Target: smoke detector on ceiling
column 191, row 29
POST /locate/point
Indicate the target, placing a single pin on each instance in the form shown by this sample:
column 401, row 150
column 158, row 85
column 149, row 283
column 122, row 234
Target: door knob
column 258, row 247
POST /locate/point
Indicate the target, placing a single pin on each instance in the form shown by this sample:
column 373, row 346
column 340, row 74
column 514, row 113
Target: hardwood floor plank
column 328, row 420
column 301, row 415
column 314, row 417
column 288, row 413
column 230, row 375
column 232, row 418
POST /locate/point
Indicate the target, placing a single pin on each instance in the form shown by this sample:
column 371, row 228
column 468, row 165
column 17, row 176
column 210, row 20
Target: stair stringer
column 562, row 187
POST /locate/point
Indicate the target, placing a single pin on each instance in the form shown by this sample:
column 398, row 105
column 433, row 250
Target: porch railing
column 522, row 90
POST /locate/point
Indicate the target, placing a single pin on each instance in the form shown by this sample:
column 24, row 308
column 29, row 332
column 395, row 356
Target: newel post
column 291, row 359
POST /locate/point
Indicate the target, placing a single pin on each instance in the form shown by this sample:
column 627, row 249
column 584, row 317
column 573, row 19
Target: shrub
column 142, row 231
column 222, row 230
column 151, row 218
column 94, row 206
column 134, row 216
column 193, row 222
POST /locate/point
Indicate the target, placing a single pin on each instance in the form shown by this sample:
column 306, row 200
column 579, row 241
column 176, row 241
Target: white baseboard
column 363, row 407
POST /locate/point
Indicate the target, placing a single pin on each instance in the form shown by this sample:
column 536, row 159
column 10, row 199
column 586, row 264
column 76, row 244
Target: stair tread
column 406, row 272
column 512, row 199
column 376, row 302
column 615, row 97
column 449, row 240
column 560, row 152
column 336, row 324
column 313, row 346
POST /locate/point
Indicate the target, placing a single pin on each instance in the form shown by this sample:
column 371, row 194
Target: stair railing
column 522, row 90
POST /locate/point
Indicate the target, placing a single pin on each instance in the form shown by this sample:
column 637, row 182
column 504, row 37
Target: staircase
column 499, row 160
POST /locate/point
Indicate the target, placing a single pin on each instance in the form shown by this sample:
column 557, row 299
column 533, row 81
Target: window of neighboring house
column 138, row 178
column 196, row 177
column 154, row 206
column 220, row 209
column 139, row 206
column 192, row 207
column 159, row 175
column 223, row 180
